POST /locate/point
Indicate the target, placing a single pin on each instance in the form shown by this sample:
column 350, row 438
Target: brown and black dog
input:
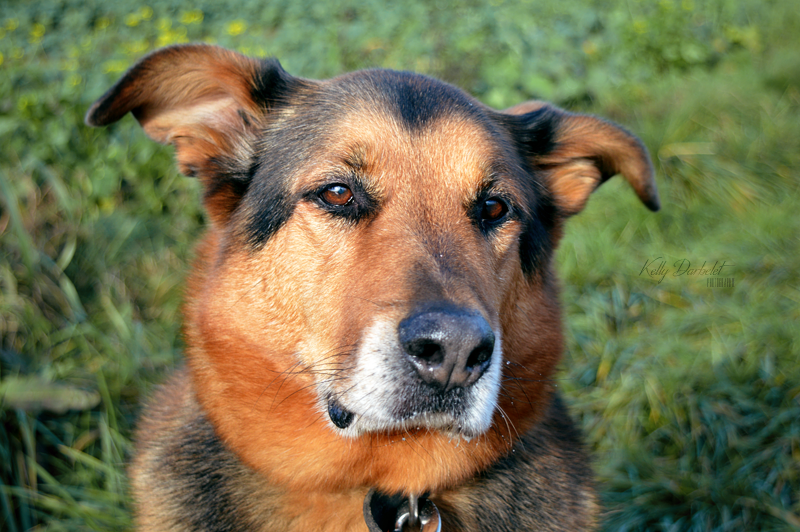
column 373, row 306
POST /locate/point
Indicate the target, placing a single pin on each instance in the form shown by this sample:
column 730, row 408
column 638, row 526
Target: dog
column 372, row 321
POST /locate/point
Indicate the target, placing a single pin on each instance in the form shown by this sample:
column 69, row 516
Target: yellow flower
column 1, row 58
column 103, row 23
column 747, row 36
column 132, row 20
column 172, row 37
column 163, row 40
column 115, row 67
column 146, row 12
column 194, row 16
column 12, row 24
column 106, row 204
column 236, row 27
column 136, row 47
column 24, row 102
column 74, row 80
column 37, row 32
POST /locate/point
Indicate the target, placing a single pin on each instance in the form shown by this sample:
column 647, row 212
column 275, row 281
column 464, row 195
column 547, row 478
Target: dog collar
column 395, row 513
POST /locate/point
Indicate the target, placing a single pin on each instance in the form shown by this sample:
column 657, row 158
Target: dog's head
column 378, row 266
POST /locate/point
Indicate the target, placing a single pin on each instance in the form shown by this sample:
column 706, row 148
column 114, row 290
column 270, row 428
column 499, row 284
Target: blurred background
column 687, row 385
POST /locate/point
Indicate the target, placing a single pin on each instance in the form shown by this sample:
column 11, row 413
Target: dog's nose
column 448, row 347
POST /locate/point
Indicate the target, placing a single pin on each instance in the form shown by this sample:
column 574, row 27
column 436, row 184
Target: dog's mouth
column 450, row 420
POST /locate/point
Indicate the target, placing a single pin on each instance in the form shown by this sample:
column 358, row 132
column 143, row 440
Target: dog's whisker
column 522, row 389
column 509, row 425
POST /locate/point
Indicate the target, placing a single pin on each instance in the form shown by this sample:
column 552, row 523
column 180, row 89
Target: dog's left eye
column 493, row 211
column 336, row 195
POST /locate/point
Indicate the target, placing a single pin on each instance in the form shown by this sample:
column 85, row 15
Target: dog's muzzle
column 437, row 368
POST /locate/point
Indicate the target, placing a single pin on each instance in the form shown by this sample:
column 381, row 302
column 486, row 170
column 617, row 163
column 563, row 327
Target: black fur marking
column 185, row 478
column 415, row 99
column 272, row 85
column 283, row 151
column 419, row 100
column 264, row 184
column 271, row 208
column 204, row 469
column 535, row 246
column 228, row 174
column 534, row 134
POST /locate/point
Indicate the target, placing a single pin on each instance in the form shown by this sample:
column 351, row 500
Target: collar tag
column 395, row 513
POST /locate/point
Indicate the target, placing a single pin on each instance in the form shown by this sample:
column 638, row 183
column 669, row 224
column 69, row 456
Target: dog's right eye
column 336, row 195
column 350, row 202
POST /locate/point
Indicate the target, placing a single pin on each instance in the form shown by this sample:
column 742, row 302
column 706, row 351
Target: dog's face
column 378, row 265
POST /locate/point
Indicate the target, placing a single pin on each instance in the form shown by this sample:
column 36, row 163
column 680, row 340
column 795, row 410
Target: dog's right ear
column 206, row 101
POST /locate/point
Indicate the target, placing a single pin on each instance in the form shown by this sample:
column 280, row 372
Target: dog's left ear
column 577, row 153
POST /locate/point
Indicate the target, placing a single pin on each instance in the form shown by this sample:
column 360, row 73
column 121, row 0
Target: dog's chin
column 351, row 424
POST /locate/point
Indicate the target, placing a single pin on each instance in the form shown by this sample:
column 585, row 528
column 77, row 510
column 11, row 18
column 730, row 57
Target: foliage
column 689, row 394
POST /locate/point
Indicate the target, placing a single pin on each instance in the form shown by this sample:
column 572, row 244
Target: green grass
column 689, row 395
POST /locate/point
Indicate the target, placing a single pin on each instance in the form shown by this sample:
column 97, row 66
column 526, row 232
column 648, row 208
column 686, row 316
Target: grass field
column 689, row 392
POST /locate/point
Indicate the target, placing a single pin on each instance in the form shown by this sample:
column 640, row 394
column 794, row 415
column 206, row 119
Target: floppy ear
column 206, row 101
column 577, row 153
